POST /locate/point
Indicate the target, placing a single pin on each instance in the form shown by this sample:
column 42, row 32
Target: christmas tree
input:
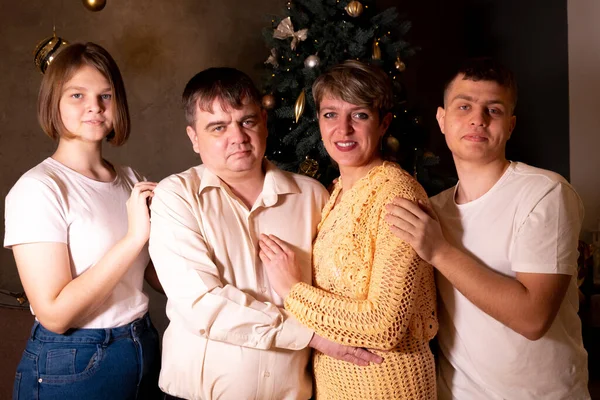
column 312, row 37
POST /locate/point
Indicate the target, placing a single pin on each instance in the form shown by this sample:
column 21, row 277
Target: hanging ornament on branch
column 273, row 59
column 299, row 107
column 312, row 61
column 309, row 167
column 354, row 8
column 376, row 50
column 94, row 5
column 285, row 29
column 46, row 50
column 268, row 101
column 399, row 64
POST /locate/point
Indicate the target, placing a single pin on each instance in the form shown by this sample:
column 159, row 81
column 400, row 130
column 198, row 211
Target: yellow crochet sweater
column 370, row 290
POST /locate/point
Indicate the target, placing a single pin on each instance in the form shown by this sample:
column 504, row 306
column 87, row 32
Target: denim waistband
column 99, row 335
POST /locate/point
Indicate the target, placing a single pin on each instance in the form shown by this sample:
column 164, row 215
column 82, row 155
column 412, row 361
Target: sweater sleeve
column 384, row 316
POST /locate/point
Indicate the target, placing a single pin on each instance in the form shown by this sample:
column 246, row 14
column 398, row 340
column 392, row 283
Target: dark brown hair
column 486, row 69
column 63, row 67
column 356, row 83
column 233, row 87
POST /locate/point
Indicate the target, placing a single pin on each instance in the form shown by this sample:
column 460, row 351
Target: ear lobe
column 440, row 115
column 513, row 123
column 193, row 138
column 385, row 123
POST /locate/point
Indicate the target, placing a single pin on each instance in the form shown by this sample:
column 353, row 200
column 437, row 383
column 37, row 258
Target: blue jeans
column 92, row 364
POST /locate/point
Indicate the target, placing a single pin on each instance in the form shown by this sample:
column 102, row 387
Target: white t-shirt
column 52, row 203
column 529, row 221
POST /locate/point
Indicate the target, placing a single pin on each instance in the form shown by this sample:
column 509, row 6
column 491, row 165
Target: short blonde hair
column 356, row 83
column 62, row 68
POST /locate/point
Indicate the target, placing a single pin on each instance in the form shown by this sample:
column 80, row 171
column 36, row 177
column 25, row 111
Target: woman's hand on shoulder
column 138, row 213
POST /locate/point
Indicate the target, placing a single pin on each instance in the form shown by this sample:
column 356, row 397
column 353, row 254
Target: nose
column 95, row 104
column 480, row 117
column 344, row 125
column 238, row 135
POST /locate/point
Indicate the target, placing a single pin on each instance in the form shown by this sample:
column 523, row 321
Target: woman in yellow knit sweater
column 370, row 288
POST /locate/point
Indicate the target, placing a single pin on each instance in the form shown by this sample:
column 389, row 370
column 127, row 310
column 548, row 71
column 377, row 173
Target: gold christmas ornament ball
column 46, row 50
column 268, row 101
column 399, row 64
column 94, row 5
column 309, row 167
column 354, row 8
column 392, row 144
column 312, row 61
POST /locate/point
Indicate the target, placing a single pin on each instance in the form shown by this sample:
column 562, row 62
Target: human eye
column 219, row 128
column 249, row 123
column 106, row 96
column 77, row 96
column 361, row 115
column 495, row 111
column 463, row 107
column 329, row 115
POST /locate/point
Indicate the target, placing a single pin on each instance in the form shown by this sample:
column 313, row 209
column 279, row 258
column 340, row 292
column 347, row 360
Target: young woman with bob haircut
column 78, row 227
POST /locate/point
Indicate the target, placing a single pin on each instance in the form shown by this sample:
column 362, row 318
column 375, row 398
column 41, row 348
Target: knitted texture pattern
column 370, row 290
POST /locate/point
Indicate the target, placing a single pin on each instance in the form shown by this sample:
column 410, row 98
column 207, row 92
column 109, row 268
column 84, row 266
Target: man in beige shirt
column 229, row 336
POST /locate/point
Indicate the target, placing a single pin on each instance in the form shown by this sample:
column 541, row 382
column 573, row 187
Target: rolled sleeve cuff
column 293, row 335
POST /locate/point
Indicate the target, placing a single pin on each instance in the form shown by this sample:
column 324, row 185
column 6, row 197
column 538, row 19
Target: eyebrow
column 331, row 108
column 470, row 98
column 108, row 89
column 215, row 123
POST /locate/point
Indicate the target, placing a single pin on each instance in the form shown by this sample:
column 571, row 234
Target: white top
column 529, row 221
column 53, row 203
column 229, row 336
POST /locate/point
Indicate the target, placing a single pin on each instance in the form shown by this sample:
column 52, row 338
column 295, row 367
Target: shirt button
column 263, row 289
column 267, row 374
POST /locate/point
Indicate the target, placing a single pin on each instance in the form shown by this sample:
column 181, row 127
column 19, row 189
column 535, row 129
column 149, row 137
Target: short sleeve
column 34, row 213
column 546, row 242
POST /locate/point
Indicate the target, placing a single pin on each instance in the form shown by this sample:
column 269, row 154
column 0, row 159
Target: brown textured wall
column 158, row 45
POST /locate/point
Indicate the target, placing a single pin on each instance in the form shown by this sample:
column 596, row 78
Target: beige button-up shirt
column 229, row 336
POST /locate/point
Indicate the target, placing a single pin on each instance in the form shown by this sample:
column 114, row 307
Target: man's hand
column 418, row 225
column 354, row 355
column 280, row 263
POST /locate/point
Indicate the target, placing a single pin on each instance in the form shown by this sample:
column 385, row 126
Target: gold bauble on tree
column 399, row 64
column 392, row 144
column 46, row 50
column 354, row 8
column 376, row 50
column 268, row 101
column 299, row 107
column 309, row 167
column 94, row 5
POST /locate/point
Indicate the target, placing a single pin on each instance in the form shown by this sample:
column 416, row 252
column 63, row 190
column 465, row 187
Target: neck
column 85, row 158
column 350, row 175
column 246, row 187
column 476, row 179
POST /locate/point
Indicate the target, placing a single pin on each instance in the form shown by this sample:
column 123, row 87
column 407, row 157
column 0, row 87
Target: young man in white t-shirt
column 504, row 245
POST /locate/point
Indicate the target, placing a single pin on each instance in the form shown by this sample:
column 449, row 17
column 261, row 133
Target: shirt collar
column 277, row 182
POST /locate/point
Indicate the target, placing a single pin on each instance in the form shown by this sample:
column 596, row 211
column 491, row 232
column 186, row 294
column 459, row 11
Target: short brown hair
column 486, row 69
column 356, row 83
column 230, row 85
column 62, row 68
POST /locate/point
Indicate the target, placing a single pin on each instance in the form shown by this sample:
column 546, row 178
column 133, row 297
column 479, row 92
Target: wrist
column 135, row 241
column 441, row 254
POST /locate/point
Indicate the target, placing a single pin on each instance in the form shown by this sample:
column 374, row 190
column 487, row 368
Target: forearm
column 83, row 295
column 504, row 298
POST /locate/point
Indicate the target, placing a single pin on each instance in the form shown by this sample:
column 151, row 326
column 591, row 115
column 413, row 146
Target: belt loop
column 36, row 324
column 106, row 337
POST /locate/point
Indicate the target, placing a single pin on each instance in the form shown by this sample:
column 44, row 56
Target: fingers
column 284, row 247
column 368, row 356
column 400, row 204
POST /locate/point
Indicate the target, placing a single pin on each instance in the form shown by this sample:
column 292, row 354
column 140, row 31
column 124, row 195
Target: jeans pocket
column 16, row 386
column 72, row 364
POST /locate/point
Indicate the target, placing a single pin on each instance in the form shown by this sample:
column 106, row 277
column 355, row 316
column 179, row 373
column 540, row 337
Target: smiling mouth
column 95, row 122
column 346, row 145
column 475, row 138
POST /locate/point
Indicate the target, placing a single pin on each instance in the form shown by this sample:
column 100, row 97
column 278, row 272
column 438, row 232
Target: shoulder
column 390, row 180
column 533, row 183
column 305, row 183
column 41, row 178
column 187, row 181
column 441, row 199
